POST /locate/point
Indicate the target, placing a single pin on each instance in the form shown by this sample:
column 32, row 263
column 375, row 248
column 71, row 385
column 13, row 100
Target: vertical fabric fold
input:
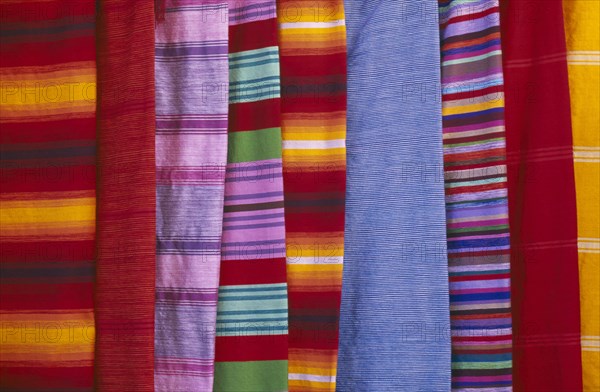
column 476, row 195
column 312, row 38
column 48, row 196
column 126, row 189
column 252, row 317
column 191, row 155
column 395, row 318
column 541, row 194
column 583, row 57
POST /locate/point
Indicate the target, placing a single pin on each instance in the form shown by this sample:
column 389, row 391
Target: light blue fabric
column 394, row 328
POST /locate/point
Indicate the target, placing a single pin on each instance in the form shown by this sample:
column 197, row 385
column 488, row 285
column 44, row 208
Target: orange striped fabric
column 48, row 201
column 313, row 101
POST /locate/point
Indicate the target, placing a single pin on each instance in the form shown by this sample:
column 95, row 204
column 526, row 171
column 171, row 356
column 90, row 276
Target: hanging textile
column 251, row 347
column 126, row 197
column 48, row 199
column 313, row 105
column 541, row 194
column 476, row 195
column 583, row 57
column 395, row 318
column 191, row 153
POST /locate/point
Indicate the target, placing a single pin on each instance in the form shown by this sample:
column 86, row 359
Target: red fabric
column 545, row 282
column 126, row 197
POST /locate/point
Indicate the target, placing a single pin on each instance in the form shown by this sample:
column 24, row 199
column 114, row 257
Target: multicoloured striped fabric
column 395, row 321
column 476, row 195
column 252, row 319
column 126, row 188
column 48, row 199
column 191, row 154
column 583, row 57
column 313, row 80
column 541, row 195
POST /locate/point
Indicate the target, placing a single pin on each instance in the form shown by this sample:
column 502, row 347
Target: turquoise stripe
column 251, row 311
column 259, row 304
column 253, row 54
column 472, row 59
column 262, row 62
column 251, row 297
column 254, row 320
column 257, row 80
column 247, row 73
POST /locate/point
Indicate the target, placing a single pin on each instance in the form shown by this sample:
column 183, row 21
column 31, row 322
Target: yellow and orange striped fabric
column 47, row 200
column 583, row 57
column 313, row 106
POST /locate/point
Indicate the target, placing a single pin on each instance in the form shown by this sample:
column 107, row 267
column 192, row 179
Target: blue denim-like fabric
column 395, row 322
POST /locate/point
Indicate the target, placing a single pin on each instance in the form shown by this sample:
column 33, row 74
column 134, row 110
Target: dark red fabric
column 126, row 197
column 543, row 227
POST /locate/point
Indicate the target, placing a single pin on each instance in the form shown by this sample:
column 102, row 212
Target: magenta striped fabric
column 191, row 152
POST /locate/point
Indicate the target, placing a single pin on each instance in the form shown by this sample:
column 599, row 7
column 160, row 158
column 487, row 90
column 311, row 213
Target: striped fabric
column 395, row 317
column 48, row 199
column 313, row 79
column 476, row 195
column 583, row 57
column 251, row 347
column 191, row 152
column 541, row 194
column 126, row 234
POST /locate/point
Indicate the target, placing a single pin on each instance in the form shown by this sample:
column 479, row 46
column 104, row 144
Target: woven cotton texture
column 191, row 152
column 476, row 195
column 126, row 188
column 395, row 318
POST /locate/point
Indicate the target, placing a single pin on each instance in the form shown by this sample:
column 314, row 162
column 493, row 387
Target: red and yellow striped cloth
column 48, row 199
column 313, row 105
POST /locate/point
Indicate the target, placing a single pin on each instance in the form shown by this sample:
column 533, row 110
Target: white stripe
column 585, row 343
column 312, row 25
column 310, row 377
column 313, row 144
column 588, row 245
column 586, row 148
column 586, row 154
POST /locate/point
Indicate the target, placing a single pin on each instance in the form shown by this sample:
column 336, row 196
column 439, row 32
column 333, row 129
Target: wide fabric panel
column 394, row 326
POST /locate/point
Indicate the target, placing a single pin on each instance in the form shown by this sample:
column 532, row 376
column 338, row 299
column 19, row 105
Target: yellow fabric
column 583, row 45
